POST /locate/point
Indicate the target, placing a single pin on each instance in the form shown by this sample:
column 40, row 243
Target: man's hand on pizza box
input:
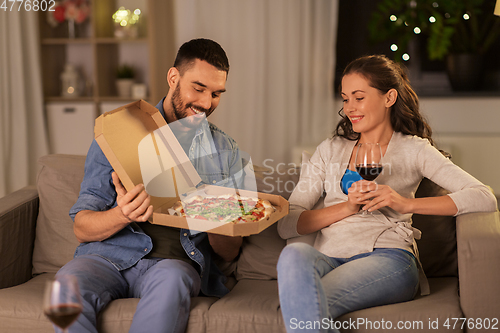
column 135, row 204
column 227, row 247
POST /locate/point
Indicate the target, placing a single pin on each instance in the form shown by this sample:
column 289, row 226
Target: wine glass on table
column 62, row 303
column 368, row 163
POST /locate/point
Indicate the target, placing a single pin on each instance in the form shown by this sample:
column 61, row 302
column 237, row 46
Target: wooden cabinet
column 96, row 53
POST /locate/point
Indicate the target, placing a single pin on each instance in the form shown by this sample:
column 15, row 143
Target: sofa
column 461, row 258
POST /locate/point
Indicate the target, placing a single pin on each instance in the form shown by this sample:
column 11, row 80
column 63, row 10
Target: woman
column 360, row 261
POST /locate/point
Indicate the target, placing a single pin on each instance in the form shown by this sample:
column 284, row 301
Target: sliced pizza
column 225, row 208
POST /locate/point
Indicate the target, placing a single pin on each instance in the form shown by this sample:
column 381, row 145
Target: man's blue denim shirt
column 216, row 158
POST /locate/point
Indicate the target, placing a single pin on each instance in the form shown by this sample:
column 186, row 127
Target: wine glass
column 62, row 303
column 368, row 163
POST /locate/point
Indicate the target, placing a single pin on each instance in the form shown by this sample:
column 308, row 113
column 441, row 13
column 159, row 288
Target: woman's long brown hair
column 384, row 74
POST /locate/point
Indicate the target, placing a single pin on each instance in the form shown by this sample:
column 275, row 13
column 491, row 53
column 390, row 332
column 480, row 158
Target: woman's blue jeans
column 315, row 289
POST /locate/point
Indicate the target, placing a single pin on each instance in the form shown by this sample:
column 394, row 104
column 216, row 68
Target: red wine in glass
column 62, row 301
column 368, row 162
column 370, row 171
column 63, row 315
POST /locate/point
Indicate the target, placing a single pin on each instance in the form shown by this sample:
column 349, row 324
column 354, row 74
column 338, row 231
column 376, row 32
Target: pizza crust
column 177, row 206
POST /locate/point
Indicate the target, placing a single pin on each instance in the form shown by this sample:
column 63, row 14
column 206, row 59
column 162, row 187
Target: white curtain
column 22, row 130
column 282, row 56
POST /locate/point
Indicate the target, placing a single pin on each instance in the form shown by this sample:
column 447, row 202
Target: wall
column 469, row 128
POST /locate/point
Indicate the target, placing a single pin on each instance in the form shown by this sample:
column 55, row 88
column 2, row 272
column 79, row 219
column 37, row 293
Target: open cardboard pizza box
column 141, row 148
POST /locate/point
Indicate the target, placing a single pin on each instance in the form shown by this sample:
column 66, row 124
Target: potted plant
column 458, row 31
column 124, row 80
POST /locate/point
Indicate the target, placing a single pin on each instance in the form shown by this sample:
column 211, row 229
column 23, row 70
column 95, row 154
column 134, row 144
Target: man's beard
column 180, row 110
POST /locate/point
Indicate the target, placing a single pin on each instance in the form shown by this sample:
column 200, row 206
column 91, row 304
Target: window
column 429, row 78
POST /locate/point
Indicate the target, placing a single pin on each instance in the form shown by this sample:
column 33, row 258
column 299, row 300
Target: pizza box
column 142, row 149
column 162, row 216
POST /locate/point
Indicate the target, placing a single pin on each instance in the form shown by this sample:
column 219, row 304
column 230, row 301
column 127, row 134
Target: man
column 122, row 255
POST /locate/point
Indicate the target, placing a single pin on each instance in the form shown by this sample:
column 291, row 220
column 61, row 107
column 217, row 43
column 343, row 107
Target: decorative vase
column 465, row 71
column 71, row 29
column 124, row 87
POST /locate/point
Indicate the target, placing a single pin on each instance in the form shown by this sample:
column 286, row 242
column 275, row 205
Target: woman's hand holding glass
column 372, row 196
column 359, row 194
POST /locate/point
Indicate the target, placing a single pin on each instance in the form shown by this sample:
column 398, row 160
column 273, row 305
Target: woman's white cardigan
column 407, row 160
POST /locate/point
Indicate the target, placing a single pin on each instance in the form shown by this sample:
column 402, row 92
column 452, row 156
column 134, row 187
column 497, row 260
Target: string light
column 466, row 16
column 406, row 57
column 432, row 19
column 417, row 30
column 394, row 47
column 120, row 15
column 393, row 18
column 125, row 17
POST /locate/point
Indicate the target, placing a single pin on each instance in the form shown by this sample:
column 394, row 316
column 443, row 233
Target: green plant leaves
column 452, row 26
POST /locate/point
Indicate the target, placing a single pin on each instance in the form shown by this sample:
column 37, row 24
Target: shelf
column 100, row 40
column 113, row 40
column 99, row 99
column 65, row 41
column 458, row 94
column 69, row 99
column 119, row 99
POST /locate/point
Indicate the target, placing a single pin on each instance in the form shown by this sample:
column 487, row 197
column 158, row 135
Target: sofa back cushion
column 58, row 186
column 260, row 252
column 438, row 245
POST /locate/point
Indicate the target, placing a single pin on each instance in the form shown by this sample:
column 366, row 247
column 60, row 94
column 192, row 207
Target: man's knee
column 176, row 273
column 96, row 276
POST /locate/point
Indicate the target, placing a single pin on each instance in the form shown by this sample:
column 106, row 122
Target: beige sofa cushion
column 117, row 316
column 21, row 307
column 259, row 255
column 58, row 186
column 260, row 252
column 441, row 305
column 252, row 306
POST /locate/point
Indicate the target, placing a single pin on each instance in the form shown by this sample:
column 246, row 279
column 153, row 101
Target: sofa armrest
column 478, row 245
column 18, row 215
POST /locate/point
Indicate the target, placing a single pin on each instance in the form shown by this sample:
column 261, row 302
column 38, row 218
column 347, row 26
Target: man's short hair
column 202, row 49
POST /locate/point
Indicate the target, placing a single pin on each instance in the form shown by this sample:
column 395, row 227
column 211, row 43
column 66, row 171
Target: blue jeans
column 315, row 289
column 165, row 288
